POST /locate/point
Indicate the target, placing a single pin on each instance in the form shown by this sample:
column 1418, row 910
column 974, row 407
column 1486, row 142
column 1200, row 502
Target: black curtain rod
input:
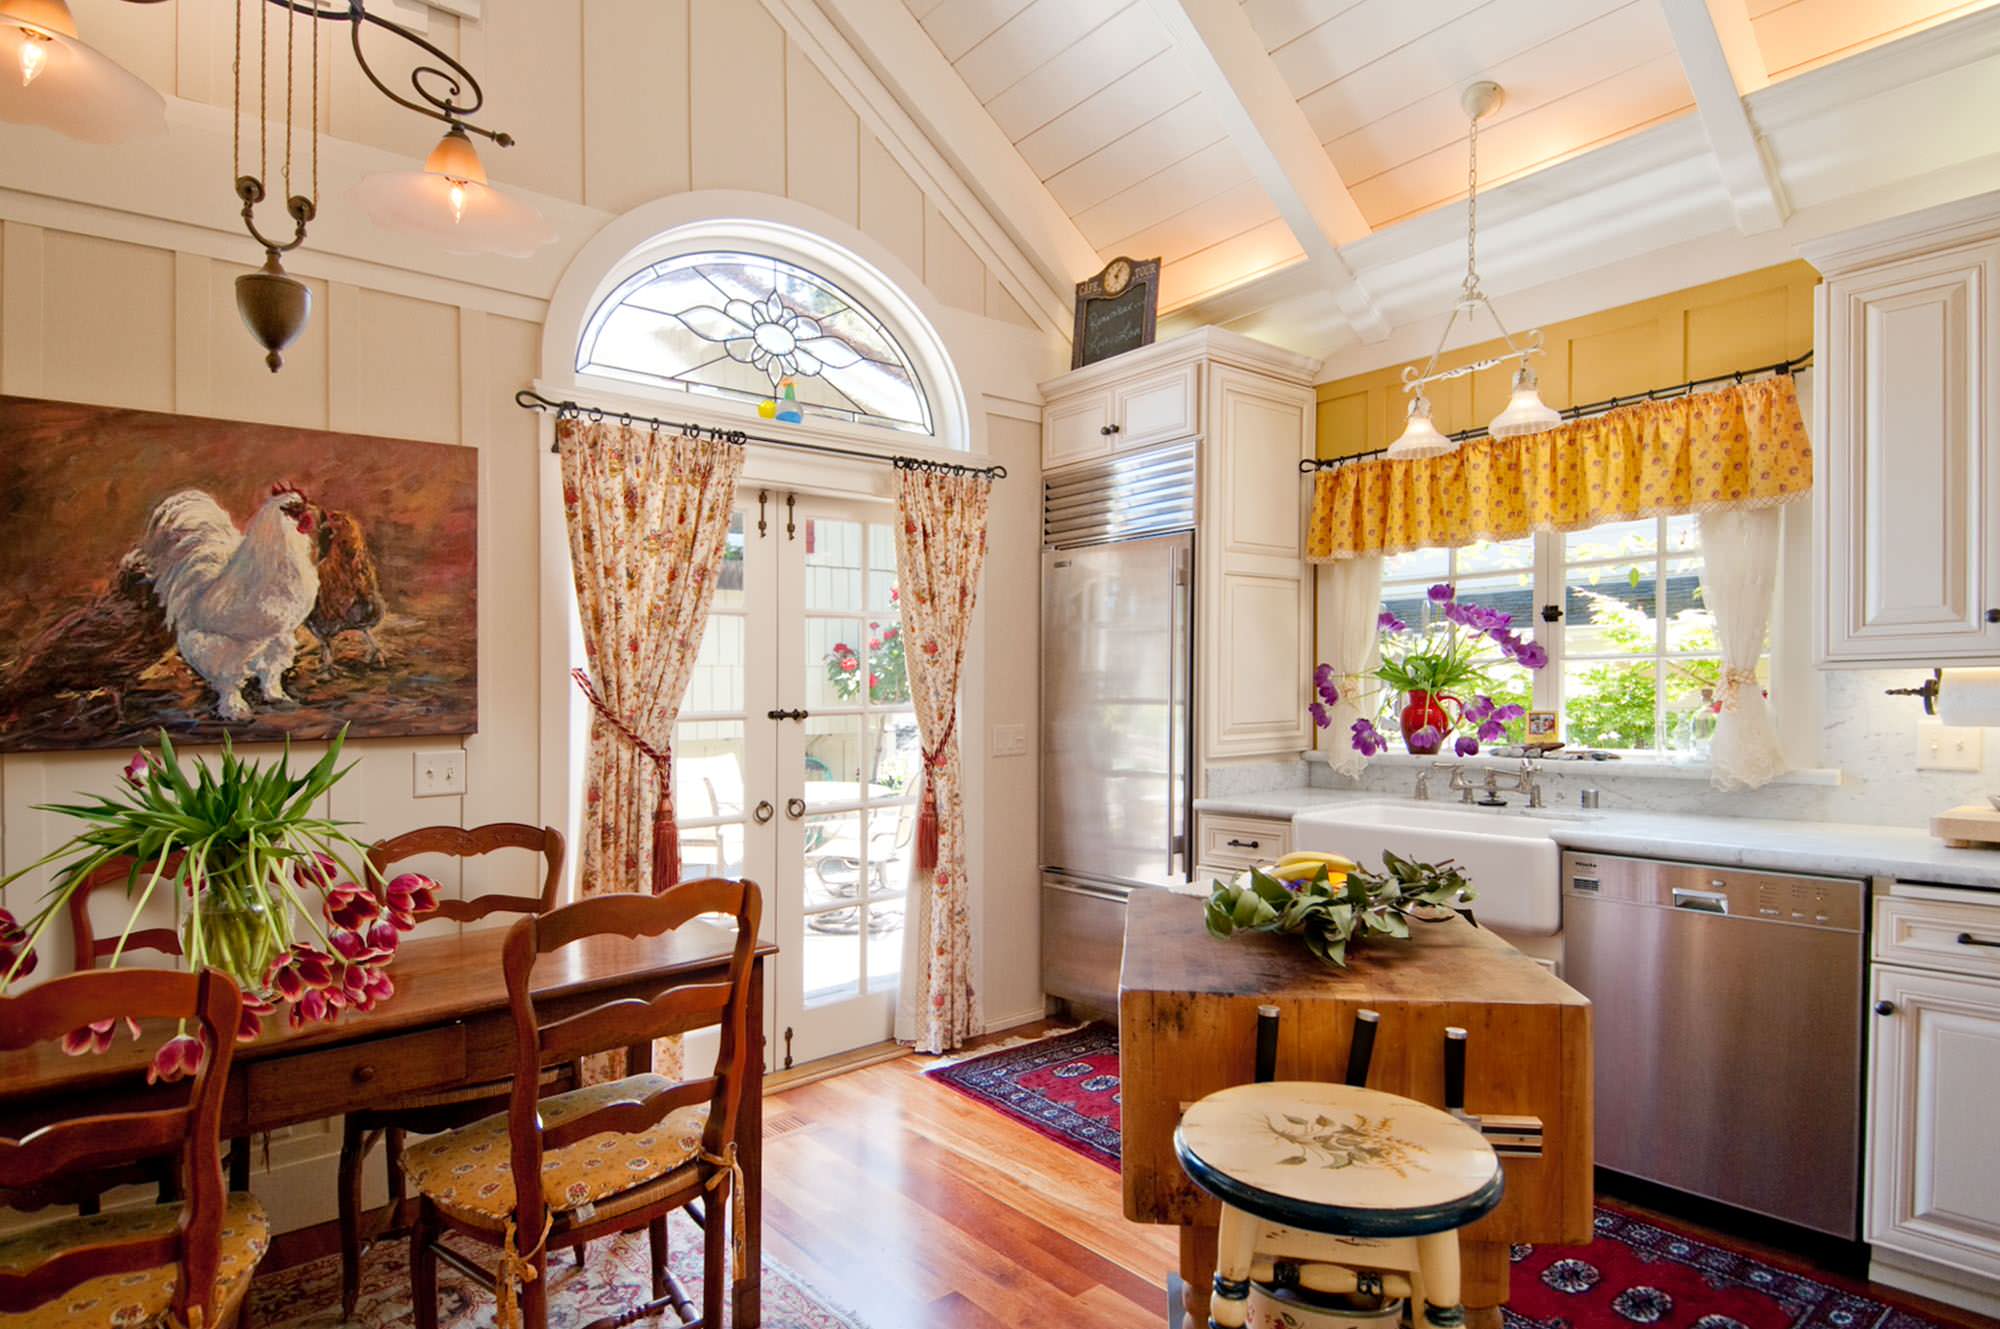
column 1791, row 366
column 530, row 400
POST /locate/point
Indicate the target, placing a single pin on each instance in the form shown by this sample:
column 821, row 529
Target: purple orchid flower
column 1367, row 740
column 1442, row 593
column 1322, row 717
column 1323, row 676
column 1387, row 621
column 1492, row 731
column 1466, row 746
column 1329, row 694
column 1478, row 709
column 1532, row 654
column 1427, row 738
column 1511, row 711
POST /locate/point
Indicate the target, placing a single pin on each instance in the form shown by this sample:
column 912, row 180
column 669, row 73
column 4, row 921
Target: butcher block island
column 1187, row 1009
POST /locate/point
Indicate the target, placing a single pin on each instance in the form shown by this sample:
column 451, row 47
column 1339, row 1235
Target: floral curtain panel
column 1742, row 447
column 648, row 517
column 940, row 553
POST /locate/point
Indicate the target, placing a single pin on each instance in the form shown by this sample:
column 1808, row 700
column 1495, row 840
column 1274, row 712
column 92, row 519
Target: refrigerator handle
column 1177, row 833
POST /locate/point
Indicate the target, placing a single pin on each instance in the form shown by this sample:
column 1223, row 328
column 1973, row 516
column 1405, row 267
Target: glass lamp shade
column 1526, row 412
column 1420, row 438
column 49, row 77
column 450, row 202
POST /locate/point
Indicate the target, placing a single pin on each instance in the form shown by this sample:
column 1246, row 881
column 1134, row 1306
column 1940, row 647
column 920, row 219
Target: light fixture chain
column 1472, row 211
column 314, row 30
column 263, row 92
column 236, row 102
column 291, row 29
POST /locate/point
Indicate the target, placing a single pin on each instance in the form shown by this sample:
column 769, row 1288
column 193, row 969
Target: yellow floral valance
column 1744, row 446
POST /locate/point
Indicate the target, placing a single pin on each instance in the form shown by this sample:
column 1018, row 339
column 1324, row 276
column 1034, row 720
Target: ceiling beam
column 898, row 72
column 1718, row 52
column 1226, row 60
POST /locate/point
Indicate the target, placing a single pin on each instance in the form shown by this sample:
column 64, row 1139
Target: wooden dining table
column 447, row 1025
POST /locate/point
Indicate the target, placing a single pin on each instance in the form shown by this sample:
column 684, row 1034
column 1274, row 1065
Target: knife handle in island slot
column 1267, row 1045
column 1454, row 1070
column 1361, row 1048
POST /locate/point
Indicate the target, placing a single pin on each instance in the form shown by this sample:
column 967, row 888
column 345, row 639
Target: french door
column 796, row 761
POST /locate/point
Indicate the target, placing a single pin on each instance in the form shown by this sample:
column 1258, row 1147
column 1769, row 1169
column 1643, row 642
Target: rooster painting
column 153, row 577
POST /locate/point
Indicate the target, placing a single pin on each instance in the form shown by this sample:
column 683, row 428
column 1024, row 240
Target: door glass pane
column 729, row 580
column 891, row 843
column 709, row 757
column 881, row 566
column 831, row 956
column 833, row 563
column 885, row 943
column 712, row 851
column 896, row 754
column 834, row 861
column 836, row 671
column 833, row 759
column 716, row 686
column 887, row 671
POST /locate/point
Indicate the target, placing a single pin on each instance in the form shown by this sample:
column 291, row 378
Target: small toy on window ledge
column 786, row 407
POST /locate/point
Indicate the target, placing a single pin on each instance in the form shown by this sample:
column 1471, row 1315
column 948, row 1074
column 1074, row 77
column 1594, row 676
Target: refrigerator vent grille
column 1125, row 498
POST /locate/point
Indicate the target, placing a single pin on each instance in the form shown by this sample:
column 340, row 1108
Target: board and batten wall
column 121, row 300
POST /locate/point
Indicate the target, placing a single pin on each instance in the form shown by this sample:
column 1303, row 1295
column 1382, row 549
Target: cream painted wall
column 115, row 287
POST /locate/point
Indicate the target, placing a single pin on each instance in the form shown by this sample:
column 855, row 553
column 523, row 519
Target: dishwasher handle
column 1701, row 902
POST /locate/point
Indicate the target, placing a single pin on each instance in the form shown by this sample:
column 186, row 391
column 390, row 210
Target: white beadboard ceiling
column 1098, row 102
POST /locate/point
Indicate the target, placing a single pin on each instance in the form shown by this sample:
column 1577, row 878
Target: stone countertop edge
column 1832, row 848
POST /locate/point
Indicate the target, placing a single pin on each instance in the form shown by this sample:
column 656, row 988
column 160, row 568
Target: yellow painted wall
column 1756, row 318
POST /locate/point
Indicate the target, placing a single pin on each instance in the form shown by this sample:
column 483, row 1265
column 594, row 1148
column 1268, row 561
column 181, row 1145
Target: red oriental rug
column 1637, row 1272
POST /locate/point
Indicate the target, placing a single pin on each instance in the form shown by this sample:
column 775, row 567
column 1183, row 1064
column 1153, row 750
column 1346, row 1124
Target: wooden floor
column 913, row 1206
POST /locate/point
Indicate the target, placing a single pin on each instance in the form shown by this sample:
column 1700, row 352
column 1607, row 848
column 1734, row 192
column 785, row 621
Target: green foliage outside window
column 1614, row 703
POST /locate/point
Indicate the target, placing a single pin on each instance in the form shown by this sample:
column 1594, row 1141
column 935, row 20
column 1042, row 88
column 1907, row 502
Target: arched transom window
column 750, row 327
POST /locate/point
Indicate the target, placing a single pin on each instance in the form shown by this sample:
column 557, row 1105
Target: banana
column 1336, row 863
column 1304, row 871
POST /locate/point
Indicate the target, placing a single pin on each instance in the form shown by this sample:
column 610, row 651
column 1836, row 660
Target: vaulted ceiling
column 1281, row 156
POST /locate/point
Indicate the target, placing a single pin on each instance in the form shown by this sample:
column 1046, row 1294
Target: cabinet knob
column 1993, row 616
column 363, row 1074
column 1885, row 1007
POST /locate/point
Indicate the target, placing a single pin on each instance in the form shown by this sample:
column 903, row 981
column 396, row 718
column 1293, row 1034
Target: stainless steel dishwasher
column 1727, row 1029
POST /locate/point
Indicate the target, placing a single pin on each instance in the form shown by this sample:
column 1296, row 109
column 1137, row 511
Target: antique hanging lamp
column 50, row 76
column 1525, row 412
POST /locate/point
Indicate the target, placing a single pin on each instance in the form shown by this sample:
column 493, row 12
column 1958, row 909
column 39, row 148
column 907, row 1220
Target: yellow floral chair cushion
column 469, row 1171
column 127, row 1301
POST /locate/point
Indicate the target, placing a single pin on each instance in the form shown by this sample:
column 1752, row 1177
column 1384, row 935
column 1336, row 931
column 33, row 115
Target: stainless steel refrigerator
column 1117, row 715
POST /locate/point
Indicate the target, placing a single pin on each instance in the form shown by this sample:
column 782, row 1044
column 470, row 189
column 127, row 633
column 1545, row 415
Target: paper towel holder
column 1929, row 691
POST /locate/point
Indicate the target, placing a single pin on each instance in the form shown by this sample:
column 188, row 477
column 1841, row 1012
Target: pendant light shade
column 1526, row 412
column 1420, row 437
column 49, row 77
column 449, row 201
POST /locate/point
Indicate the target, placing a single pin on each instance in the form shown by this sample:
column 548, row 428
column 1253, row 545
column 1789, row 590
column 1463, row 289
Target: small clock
column 1117, row 276
column 1116, row 310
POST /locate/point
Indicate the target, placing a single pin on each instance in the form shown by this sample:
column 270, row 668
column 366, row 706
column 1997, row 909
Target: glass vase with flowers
column 280, row 898
column 1439, row 672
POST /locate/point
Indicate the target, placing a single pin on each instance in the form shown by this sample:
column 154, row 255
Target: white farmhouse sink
column 1507, row 854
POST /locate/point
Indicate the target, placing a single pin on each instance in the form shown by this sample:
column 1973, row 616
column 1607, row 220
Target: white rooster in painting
column 234, row 600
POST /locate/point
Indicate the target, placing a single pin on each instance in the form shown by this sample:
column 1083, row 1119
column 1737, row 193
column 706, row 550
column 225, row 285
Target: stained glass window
column 741, row 325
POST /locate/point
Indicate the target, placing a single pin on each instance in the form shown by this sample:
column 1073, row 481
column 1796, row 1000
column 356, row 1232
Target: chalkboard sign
column 1116, row 311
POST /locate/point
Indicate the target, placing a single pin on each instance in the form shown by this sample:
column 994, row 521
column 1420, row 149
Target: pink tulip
column 380, row 986
column 350, row 946
column 178, row 1057
column 408, row 896
column 137, row 769
column 349, row 906
column 13, row 947
column 382, row 936
column 310, row 1008
column 250, row 1020
column 94, row 1037
column 318, row 870
column 315, row 967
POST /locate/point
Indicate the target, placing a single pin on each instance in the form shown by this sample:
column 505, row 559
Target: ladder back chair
column 608, row 1158
column 391, row 1121
column 87, row 950
column 186, row 1262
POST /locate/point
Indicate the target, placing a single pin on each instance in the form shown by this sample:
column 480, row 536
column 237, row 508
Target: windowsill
column 1645, row 767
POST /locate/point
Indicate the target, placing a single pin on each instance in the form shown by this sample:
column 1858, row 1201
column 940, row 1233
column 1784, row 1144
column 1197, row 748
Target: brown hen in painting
column 210, row 577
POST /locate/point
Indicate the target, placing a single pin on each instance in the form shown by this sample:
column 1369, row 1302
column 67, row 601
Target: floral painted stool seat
column 1334, row 1195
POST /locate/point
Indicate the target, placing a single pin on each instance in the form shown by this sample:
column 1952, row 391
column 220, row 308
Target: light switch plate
column 1943, row 748
column 440, row 774
column 1010, row 740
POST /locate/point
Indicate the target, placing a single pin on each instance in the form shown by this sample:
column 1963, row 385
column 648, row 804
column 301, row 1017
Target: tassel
column 666, row 841
column 732, row 1169
column 927, row 827
column 515, row 1269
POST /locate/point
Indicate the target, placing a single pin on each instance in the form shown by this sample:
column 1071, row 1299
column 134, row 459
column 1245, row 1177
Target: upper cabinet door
column 1909, row 456
column 1076, row 428
column 1158, row 407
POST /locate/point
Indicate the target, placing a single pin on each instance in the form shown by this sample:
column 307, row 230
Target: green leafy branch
column 1329, row 914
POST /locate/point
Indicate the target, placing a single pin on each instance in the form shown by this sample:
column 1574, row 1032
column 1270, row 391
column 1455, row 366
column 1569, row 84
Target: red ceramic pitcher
column 1427, row 709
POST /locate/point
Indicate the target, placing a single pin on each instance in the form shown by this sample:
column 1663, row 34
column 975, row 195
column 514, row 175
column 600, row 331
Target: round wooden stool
column 1337, row 1190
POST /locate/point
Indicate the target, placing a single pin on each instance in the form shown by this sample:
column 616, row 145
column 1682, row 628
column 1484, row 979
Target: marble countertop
column 1833, row 848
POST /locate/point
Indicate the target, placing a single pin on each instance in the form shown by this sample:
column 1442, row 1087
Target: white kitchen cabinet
column 1907, row 404
column 1252, row 409
column 1934, row 1173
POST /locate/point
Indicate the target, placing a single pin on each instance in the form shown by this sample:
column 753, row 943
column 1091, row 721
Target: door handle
column 794, row 714
column 763, row 812
column 795, row 808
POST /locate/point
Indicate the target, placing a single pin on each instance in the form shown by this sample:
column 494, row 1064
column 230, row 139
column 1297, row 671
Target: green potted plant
column 280, row 898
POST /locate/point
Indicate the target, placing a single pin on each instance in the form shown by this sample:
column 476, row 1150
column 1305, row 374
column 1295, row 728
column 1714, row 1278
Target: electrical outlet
column 440, row 774
column 1943, row 748
column 1010, row 740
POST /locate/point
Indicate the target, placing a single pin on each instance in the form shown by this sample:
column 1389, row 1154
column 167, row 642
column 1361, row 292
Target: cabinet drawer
column 325, row 1082
column 1159, row 407
column 1240, row 842
column 1932, row 934
column 1076, row 428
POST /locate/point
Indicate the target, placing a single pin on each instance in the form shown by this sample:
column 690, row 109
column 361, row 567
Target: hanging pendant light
column 52, row 78
column 450, row 201
column 1525, row 412
column 1420, row 438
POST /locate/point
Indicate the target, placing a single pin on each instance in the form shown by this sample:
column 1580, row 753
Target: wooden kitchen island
column 1187, row 1010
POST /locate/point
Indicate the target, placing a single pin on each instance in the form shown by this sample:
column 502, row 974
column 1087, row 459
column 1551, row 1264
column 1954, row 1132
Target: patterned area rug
column 1634, row 1275
column 1065, row 1087
column 614, row 1277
